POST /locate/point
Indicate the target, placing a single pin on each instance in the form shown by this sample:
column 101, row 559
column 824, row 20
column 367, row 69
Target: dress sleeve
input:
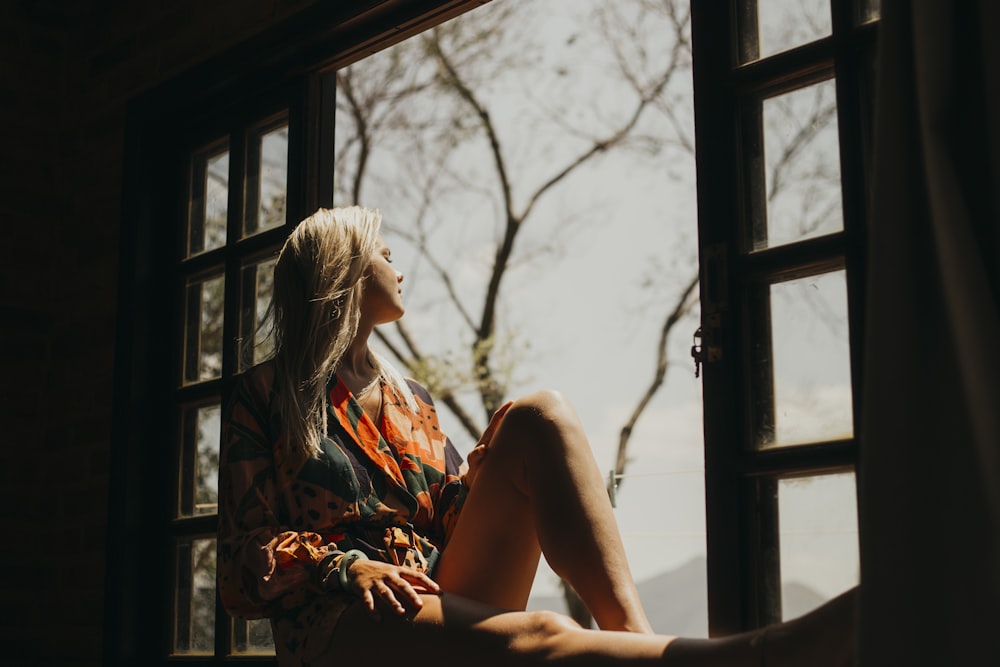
column 263, row 566
column 452, row 497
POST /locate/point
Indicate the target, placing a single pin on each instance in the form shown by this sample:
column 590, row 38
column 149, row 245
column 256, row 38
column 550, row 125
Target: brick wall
column 69, row 69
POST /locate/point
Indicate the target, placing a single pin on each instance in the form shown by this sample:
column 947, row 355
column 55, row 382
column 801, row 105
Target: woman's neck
column 357, row 360
column 358, row 372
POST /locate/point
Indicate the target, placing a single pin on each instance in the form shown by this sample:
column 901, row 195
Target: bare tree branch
column 362, row 134
column 814, row 124
column 463, row 90
column 490, row 392
column 646, row 98
column 681, row 307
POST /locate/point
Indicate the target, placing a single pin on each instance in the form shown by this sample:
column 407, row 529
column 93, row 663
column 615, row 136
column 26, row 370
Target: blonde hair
column 318, row 288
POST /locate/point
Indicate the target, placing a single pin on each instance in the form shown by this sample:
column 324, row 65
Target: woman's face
column 382, row 301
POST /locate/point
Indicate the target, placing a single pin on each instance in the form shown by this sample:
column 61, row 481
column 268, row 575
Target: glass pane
column 802, row 167
column 252, row 637
column 785, row 24
column 818, row 520
column 194, row 601
column 674, row 594
column 203, row 329
column 810, row 377
column 267, row 181
column 607, row 240
column 209, row 201
column 199, row 492
column 256, row 325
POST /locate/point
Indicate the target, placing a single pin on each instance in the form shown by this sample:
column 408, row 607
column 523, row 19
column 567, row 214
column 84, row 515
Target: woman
column 348, row 519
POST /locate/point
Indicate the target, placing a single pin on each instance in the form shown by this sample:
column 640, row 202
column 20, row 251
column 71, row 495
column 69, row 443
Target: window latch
column 707, row 342
column 697, row 353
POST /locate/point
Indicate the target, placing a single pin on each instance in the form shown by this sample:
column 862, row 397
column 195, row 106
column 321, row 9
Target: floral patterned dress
column 389, row 489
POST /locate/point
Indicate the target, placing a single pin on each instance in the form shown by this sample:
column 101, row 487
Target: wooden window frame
column 740, row 481
column 288, row 70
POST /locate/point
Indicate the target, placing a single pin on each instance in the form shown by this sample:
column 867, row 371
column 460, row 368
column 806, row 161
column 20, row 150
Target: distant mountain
column 676, row 601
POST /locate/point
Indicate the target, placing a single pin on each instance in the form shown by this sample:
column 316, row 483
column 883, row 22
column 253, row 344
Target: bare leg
column 455, row 630
column 539, row 489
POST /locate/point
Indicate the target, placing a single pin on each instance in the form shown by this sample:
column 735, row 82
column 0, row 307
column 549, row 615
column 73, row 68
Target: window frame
column 292, row 68
column 741, row 482
column 288, row 69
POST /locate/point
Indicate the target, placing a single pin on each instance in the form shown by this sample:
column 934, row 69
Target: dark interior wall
column 69, row 69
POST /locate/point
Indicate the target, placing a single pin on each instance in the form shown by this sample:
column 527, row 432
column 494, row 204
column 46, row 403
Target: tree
column 455, row 115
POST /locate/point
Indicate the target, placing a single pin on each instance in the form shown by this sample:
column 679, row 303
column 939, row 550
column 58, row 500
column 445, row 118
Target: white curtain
column 930, row 462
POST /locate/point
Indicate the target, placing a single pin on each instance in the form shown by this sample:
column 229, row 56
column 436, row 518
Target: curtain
column 929, row 474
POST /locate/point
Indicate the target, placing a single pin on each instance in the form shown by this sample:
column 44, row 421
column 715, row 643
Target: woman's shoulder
column 258, row 381
column 420, row 391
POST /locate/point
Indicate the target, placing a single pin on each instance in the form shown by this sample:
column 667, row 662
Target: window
column 782, row 113
column 234, row 224
column 781, row 143
column 216, row 175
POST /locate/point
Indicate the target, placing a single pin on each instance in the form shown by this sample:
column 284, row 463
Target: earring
column 338, row 309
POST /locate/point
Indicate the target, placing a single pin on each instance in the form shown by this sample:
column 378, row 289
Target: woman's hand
column 381, row 584
column 470, row 469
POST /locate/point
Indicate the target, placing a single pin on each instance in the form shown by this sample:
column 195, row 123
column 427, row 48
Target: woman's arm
column 263, row 565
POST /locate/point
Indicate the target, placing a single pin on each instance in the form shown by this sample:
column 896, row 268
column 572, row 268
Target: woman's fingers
column 428, row 583
column 420, row 582
column 388, row 596
column 384, row 585
column 470, row 467
column 369, row 601
column 473, row 460
column 494, row 423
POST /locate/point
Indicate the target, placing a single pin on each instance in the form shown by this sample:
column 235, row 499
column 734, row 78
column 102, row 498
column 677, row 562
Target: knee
column 542, row 407
column 542, row 430
column 543, row 634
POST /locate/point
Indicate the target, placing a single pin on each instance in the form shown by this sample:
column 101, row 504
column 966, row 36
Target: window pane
column 252, row 637
column 675, row 595
column 256, row 324
column 194, row 597
column 256, row 320
column 818, row 520
column 803, row 393
column 209, row 201
column 267, row 180
column 802, row 167
column 199, row 490
column 203, row 329
column 785, row 24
